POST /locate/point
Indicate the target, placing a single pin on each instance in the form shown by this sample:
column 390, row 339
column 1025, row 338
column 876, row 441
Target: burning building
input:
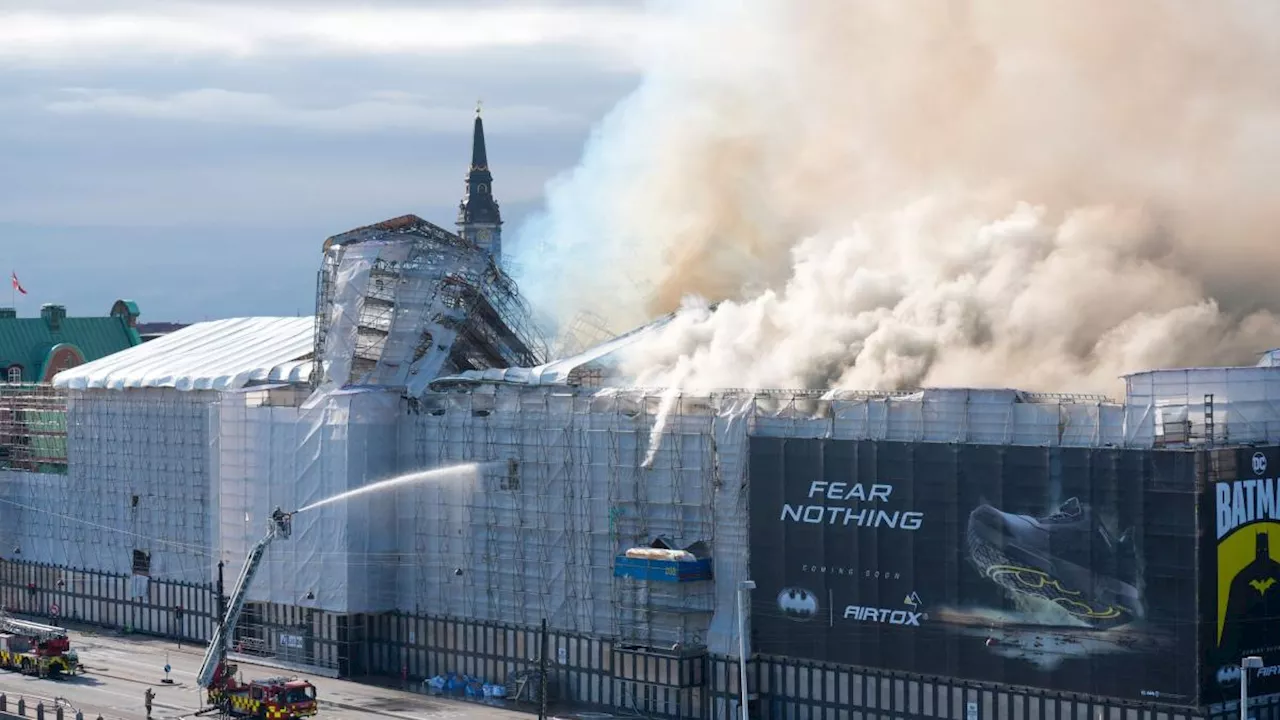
column 943, row 553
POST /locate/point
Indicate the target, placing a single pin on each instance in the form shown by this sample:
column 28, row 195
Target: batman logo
column 798, row 604
column 1262, row 586
column 1228, row 674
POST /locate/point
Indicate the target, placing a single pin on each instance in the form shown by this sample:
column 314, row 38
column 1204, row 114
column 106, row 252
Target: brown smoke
column 890, row 193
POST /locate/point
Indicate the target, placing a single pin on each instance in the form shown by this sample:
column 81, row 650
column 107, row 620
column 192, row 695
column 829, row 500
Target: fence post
column 40, row 710
column 542, row 673
column 4, row 703
column 57, row 713
column 22, row 706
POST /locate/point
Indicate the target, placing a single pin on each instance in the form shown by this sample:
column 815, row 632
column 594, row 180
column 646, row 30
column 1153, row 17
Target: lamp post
column 744, row 587
column 1252, row 662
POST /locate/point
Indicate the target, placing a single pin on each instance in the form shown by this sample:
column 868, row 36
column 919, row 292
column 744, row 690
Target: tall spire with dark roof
column 479, row 158
column 479, row 219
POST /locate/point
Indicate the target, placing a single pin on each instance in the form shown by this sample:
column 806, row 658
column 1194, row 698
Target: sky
column 192, row 155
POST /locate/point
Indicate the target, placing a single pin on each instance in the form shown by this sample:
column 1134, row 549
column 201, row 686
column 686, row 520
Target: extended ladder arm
column 32, row 629
column 281, row 527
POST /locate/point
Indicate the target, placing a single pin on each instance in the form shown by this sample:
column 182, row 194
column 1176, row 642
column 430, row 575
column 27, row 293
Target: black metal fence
column 133, row 603
column 787, row 689
column 582, row 671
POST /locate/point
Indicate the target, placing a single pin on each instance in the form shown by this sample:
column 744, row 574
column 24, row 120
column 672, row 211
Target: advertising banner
column 1070, row 569
column 1240, row 571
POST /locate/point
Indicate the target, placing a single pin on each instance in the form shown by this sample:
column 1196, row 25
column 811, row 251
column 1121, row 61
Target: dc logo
column 1259, row 463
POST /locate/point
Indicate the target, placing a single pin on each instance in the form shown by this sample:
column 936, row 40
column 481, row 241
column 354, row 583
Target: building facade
column 949, row 553
column 33, row 350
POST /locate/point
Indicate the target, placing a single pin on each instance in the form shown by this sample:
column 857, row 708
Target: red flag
column 17, row 285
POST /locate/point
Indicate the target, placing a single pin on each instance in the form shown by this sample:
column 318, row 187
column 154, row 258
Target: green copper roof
column 26, row 341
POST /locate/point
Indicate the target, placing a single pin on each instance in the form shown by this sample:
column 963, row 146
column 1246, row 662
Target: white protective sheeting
column 297, row 372
column 943, row 415
column 340, row 557
column 569, row 484
column 396, row 309
column 1172, row 406
column 351, row 280
column 215, row 355
column 558, row 371
column 138, row 480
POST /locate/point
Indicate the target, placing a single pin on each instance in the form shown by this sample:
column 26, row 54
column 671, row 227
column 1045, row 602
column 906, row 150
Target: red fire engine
column 265, row 699
column 36, row 649
column 268, row 698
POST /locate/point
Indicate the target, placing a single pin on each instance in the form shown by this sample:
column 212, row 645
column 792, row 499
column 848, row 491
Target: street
column 120, row 668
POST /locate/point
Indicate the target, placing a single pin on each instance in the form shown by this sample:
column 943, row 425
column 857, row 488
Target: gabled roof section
column 216, row 355
column 402, row 225
column 26, row 341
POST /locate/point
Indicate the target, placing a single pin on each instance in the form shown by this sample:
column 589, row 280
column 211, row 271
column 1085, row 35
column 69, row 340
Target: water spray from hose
column 438, row 475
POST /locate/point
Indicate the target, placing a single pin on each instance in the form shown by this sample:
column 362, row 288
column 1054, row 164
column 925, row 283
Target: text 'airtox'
column 882, row 615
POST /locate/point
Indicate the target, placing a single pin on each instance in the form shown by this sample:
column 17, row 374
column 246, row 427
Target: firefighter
column 177, row 622
column 148, row 697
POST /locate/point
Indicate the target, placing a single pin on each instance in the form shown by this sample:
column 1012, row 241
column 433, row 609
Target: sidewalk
column 498, row 710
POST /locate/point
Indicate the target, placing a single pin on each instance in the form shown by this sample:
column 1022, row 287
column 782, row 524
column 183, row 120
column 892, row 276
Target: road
column 120, row 668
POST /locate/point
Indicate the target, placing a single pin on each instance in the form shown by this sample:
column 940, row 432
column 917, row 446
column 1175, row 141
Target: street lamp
column 1252, row 662
column 744, row 587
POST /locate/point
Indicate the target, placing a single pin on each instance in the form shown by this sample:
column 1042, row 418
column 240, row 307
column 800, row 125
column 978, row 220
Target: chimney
column 7, row 313
column 53, row 315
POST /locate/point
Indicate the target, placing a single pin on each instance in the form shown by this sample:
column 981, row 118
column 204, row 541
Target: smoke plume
column 885, row 194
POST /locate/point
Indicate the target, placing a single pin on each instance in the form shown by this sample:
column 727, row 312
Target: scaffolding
column 574, row 480
column 585, row 331
column 1204, row 407
column 135, row 498
column 556, row 485
column 399, row 302
column 33, row 428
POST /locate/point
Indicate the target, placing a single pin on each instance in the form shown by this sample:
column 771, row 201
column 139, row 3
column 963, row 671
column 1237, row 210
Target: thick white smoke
column 895, row 193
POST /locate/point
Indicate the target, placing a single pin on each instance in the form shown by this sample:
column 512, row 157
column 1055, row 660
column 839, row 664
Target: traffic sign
column 167, row 668
column 53, row 609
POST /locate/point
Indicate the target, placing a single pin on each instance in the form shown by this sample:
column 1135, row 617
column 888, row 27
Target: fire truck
column 277, row 698
column 36, row 649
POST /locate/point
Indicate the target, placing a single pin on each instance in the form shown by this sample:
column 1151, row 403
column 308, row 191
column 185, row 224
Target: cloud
column 379, row 111
column 45, row 34
column 235, row 129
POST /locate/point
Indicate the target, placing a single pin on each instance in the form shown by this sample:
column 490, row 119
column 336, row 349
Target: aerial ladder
column 271, row 698
column 35, row 648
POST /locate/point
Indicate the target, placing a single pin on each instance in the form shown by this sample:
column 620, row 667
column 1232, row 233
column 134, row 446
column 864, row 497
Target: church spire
column 479, row 158
column 479, row 219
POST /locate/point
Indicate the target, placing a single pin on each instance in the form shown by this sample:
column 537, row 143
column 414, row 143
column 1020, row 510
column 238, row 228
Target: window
column 15, row 374
column 299, row 694
column 141, row 563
